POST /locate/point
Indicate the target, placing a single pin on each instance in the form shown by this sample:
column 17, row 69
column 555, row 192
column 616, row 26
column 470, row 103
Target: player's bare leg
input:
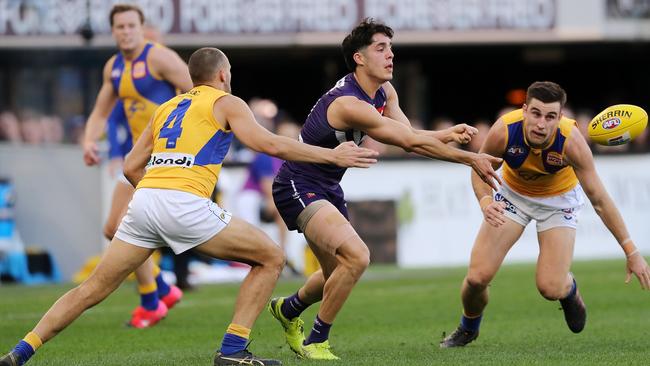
column 312, row 291
column 490, row 248
column 242, row 242
column 554, row 281
column 151, row 286
column 119, row 260
column 344, row 269
column 343, row 257
column 122, row 194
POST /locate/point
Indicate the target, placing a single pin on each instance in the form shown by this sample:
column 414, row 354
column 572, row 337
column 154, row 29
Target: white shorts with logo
column 548, row 212
column 165, row 217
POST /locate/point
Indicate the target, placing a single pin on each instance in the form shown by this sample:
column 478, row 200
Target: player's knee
column 357, row 260
column 275, row 258
column 551, row 289
column 478, row 280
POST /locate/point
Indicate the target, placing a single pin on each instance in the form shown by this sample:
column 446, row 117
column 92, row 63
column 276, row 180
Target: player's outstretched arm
column 580, row 157
column 136, row 161
column 460, row 133
column 169, row 66
column 96, row 123
column 353, row 113
column 241, row 120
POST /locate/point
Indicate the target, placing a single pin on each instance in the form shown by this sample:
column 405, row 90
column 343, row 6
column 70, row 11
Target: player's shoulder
column 389, row 89
column 108, row 66
column 512, row 116
column 229, row 103
column 161, row 49
column 161, row 55
column 347, row 104
column 568, row 125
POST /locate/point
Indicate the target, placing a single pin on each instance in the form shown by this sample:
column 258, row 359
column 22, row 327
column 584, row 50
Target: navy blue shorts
column 291, row 196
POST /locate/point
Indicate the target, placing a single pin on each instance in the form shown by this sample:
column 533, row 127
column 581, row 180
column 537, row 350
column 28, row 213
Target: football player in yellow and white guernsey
column 141, row 76
column 547, row 166
column 183, row 148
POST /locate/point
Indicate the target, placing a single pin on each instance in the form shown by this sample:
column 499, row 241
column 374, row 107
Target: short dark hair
column 361, row 37
column 122, row 8
column 546, row 92
column 204, row 63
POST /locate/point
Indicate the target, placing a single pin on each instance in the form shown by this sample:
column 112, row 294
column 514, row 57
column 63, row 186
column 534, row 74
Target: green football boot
column 318, row 351
column 293, row 328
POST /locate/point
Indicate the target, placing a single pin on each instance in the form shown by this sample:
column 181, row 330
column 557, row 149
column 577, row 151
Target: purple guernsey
column 299, row 184
column 317, row 131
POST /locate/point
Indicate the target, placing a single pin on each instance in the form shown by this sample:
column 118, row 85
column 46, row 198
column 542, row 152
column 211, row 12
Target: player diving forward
column 547, row 165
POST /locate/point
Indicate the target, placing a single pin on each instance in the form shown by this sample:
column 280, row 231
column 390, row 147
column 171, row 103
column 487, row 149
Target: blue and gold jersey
column 536, row 172
column 189, row 144
column 140, row 90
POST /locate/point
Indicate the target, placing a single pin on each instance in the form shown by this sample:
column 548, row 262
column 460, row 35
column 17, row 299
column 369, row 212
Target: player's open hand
column 636, row 264
column 493, row 213
column 461, row 133
column 91, row 153
column 349, row 155
column 482, row 165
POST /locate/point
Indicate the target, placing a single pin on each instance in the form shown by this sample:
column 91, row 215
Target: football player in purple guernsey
column 310, row 199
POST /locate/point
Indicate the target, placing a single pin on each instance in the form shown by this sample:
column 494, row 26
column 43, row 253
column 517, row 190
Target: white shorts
column 548, row 212
column 165, row 217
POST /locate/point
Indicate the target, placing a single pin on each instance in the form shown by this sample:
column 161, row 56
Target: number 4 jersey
column 189, row 144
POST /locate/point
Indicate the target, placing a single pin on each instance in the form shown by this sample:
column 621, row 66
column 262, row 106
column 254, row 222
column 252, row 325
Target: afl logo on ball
column 611, row 123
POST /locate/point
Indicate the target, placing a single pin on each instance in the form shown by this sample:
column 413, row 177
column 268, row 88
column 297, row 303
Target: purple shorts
column 291, row 196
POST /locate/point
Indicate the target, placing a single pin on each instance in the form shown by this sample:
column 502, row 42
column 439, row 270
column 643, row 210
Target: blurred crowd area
column 33, row 128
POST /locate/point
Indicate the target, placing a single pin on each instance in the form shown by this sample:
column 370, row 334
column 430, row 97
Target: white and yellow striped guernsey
column 536, row 172
column 189, row 143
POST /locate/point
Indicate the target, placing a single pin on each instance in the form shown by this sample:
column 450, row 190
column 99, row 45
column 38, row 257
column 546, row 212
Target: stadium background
column 459, row 61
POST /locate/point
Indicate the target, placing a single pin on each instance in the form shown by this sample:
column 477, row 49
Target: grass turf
column 393, row 317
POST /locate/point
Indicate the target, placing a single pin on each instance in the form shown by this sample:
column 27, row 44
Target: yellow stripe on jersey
column 189, row 143
column 536, row 172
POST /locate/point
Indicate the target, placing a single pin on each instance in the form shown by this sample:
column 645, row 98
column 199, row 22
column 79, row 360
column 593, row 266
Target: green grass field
column 394, row 317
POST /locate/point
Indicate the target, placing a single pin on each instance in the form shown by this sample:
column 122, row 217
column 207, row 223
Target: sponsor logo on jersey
column 515, row 150
column 139, row 70
column 310, row 195
column 554, row 158
column 611, row 123
column 161, row 160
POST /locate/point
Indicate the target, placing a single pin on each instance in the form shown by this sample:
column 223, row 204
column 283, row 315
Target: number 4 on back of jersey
column 176, row 116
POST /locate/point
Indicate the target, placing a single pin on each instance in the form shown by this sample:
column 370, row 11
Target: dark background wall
column 464, row 83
